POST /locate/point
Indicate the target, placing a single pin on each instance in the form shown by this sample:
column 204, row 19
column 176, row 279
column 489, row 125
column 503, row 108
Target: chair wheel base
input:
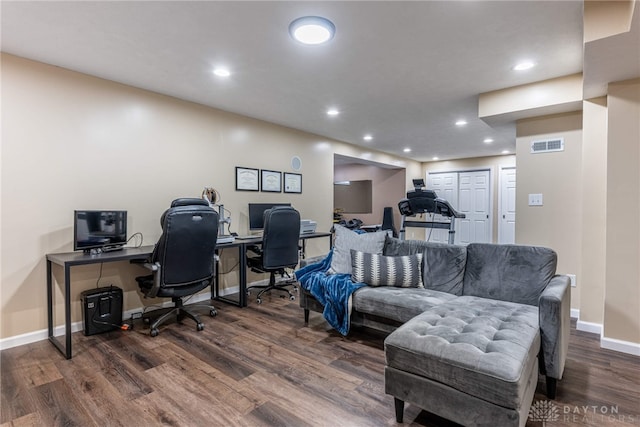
column 259, row 300
column 154, row 332
column 292, row 297
column 213, row 313
column 200, row 326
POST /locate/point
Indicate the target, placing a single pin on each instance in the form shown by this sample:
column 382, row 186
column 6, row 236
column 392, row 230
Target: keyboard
column 248, row 237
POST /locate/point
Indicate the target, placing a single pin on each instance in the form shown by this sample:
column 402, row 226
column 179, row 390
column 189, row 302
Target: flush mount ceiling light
column 367, row 137
column 312, row 30
column 488, row 140
column 524, row 65
column 407, row 150
column 461, row 122
column 333, row 112
column 435, row 158
column 221, row 72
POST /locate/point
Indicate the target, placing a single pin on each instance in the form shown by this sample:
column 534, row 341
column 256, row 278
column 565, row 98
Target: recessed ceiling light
column 407, row 150
column 524, row 65
column 461, row 122
column 505, row 151
column 221, row 72
column 488, row 140
column 333, row 112
column 312, row 30
column 435, row 158
column 367, row 137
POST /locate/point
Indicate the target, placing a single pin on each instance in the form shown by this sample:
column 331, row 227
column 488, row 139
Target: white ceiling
column 403, row 72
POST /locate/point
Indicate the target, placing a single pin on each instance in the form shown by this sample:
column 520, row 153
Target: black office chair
column 182, row 260
column 387, row 221
column 279, row 250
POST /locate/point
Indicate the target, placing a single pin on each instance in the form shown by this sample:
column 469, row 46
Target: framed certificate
column 271, row 181
column 292, row 182
column 247, row 179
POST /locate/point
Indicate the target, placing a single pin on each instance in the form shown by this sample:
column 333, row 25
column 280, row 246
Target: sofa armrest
column 555, row 323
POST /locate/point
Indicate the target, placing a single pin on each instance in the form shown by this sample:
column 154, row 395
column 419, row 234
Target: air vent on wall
column 547, row 146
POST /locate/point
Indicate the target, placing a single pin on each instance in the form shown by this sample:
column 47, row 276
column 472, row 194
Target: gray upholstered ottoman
column 472, row 360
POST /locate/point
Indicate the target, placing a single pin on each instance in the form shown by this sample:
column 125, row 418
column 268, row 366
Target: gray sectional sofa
column 469, row 345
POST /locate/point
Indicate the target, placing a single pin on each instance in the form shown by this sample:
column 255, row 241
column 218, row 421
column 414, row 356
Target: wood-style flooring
column 260, row 366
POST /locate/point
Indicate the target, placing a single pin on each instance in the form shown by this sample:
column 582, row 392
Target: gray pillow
column 346, row 240
column 379, row 270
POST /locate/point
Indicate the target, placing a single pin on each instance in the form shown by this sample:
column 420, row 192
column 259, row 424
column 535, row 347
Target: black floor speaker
column 101, row 309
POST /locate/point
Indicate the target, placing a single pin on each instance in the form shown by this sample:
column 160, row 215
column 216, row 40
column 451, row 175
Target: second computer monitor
column 256, row 214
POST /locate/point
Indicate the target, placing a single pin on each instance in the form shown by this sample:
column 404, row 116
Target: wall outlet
column 572, row 277
column 535, row 199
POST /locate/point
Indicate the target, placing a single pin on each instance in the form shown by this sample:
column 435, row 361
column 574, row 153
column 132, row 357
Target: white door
column 507, row 213
column 474, row 202
column 446, row 187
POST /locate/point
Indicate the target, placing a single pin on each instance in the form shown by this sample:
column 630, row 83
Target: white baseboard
column 608, row 343
column 593, row 328
column 35, row 336
column 575, row 313
column 621, row 346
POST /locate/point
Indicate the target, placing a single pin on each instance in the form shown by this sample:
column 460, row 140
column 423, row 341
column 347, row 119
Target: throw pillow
column 379, row 270
column 346, row 240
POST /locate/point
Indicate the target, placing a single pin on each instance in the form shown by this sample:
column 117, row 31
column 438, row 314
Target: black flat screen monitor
column 256, row 214
column 99, row 229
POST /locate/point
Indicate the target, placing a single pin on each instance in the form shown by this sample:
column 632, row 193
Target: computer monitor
column 256, row 214
column 99, row 229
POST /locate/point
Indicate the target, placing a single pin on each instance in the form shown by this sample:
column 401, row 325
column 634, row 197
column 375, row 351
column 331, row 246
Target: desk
column 242, row 245
column 68, row 260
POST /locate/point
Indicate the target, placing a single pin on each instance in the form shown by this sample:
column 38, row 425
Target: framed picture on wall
column 247, row 179
column 292, row 182
column 271, row 181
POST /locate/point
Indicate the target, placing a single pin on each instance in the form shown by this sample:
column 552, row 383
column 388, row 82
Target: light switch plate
column 535, row 199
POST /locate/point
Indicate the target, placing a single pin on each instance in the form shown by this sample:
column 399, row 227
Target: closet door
column 474, row 202
column 446, row 187
column 469, row 193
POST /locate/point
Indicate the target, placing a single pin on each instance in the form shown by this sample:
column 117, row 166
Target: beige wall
column 71, row 141
column 622, row 296
column 557, row 176
column 388, row 185
column 493, row 164
column 594, row 211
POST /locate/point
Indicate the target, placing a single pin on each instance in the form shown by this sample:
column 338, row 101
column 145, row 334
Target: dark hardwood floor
column 260, row 366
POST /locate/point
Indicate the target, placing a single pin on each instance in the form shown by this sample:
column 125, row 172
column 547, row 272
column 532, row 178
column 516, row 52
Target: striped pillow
column 379, row 270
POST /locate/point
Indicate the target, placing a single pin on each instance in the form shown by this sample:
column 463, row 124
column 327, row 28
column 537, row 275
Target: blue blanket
column 333, row 291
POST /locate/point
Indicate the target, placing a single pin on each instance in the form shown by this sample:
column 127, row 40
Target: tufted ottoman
column 472, row 360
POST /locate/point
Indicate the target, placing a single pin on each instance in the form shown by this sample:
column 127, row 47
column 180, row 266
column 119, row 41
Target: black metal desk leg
column 49, row 300
column 242, row 298
column 67, row 309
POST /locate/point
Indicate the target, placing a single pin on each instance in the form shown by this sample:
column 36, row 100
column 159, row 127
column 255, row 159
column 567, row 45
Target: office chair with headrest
column 182, row 260
column 387, row 221
column 279, row 250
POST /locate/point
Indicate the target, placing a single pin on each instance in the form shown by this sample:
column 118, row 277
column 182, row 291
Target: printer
column 307, row 226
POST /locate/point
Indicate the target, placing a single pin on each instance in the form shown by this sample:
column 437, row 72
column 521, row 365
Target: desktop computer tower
column 101, row 309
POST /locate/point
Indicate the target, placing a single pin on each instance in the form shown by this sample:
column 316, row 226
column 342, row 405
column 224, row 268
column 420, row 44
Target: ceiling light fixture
column 488, row 140
column 407, row 150
column 524, row 65
column 367, row 137
column 332, row 112
column 221, row 72
column 435, row 158
column 312, row 30
column 461, row 122
column 505, row 151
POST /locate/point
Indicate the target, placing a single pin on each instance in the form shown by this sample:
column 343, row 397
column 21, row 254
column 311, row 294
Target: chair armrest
column 554, row 307
column 155, row 268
